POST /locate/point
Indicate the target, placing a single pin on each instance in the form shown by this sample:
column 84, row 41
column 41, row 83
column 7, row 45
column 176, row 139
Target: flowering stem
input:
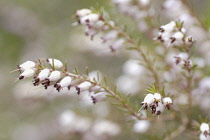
column 115, row 95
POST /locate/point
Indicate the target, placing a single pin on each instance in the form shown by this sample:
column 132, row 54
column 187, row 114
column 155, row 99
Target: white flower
column 83, row 86
column 89, row 18
column 55, row 76
column 57, row 63
column 159, row 108
column 141, row 126
column 110, row 35
column 117, row 44
column 133, row 67
column 148, row 99
column 26, row 65
column 27, row 73
column 43, row 74
column 65, row 82
column 157, row 97
column 105, row 127
column 167, row 100
column 177, row 38
column 98, row 97
column 83, row 12
column 204, row 137
column 168, row 27
column 204, row 127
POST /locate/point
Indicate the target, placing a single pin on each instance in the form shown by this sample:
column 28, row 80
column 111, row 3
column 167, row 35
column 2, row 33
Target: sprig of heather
column 96, row 23
column 52, row 72
column 156, row 100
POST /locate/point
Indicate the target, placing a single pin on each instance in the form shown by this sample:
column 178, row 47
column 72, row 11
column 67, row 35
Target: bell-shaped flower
column 55, row 62
column 83, row 86
column 27, row 73
column 204, row 128
column 98, row 97
column 41, row 76
column 26, row 65
column 167, row 102
column 159, row 109
column 65, row 82
column 157, row 97
column 149, row 99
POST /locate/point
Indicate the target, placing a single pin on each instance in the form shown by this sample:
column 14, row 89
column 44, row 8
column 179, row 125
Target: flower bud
column 55, row 62
column 54, row 76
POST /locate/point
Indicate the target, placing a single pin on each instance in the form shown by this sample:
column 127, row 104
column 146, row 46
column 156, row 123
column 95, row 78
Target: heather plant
column 162, row 90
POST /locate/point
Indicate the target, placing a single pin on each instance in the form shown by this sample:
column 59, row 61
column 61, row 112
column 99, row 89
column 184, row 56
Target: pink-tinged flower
column 27, row 73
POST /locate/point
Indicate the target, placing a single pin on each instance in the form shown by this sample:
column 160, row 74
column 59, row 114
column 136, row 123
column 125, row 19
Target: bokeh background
column 41, row 29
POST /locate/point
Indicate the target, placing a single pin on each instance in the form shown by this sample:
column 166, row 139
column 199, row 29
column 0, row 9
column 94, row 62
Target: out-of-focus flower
column 141, row 126
column 105, row 127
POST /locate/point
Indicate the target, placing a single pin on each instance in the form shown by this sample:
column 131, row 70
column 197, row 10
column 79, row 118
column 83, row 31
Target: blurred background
column 42, row 29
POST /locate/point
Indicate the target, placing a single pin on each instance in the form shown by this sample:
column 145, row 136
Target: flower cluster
column 174, row 34
column 95, row 23
column 205, row 133
column 58, row 77
column 156, row 103
column 139, row 10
